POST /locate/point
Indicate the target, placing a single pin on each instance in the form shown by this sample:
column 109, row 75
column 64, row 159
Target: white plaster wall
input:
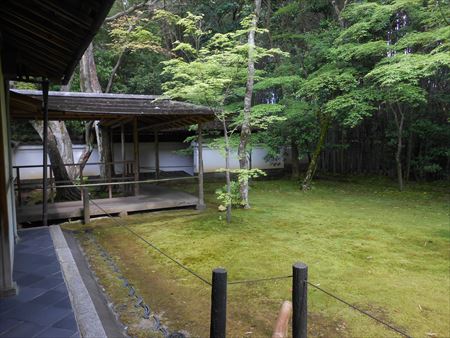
column 214, row 159
column 170, row 159
column 32, row 155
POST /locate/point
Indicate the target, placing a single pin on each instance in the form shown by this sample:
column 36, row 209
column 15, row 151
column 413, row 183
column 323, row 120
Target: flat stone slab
column 42, row 307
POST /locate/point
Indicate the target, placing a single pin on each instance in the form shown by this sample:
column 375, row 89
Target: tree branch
column 127, row 11
column 114, row 70
column 339, row 11
column 131, row 9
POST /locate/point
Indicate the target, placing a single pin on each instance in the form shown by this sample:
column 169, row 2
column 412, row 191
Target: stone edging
column 85, row 313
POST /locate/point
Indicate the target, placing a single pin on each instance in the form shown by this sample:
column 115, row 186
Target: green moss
column 383, row 250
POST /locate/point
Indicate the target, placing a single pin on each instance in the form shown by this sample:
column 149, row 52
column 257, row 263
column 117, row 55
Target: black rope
column 152, row 245
column 359, row 310
column 259, row 280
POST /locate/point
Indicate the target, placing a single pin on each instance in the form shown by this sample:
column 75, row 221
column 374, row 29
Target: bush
column 234, row 198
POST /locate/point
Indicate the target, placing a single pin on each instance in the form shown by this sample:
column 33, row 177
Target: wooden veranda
column 115, row 112
column 151, row 198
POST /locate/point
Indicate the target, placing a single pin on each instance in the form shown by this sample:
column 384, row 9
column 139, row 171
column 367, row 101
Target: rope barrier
column 248, row 281
column 360, row 310
column 152, row 245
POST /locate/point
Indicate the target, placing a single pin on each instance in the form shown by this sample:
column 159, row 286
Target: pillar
column 201, row 198
column 45, row 86
column 136, row 155
column 157, row 169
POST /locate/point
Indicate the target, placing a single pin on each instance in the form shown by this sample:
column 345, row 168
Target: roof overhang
column 45, row 39
column 151, row 111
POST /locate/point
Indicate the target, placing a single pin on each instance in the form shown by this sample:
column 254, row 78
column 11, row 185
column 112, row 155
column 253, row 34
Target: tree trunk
column 399, row 121
column 59, row 152
column 294, row 158
column 64, row 144
column 324, row 125
column 341, row 152
column 114, row 71
column 89, row 147
column 89, row 83
column 227, row 167
column 88, row 72
column 245, row 128
column 409, row 155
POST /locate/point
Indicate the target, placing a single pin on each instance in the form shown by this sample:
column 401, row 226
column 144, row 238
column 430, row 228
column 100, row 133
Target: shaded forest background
column 363, row 89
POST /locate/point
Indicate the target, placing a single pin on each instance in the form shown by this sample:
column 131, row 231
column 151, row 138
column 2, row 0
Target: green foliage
column 353, row 52
column 327, row 83
column 409, row 68
column 134, row 36
column 234, row 197
column 289, row 82
column 351, row 108
column 341, row 71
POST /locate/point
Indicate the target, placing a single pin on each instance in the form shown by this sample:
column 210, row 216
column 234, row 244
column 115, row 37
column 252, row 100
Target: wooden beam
column 23, row 7
column 177, row 122
column 38, row 28
column 45, row 86
column 116, row 123
column 136, row 155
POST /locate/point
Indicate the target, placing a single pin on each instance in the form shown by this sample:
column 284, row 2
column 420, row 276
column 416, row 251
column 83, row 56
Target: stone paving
column 42, row 307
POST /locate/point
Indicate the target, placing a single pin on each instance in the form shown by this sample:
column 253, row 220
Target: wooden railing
column 126, row 175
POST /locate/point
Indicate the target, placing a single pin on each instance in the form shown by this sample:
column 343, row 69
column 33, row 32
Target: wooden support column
column 201, row 199
column 122, row 153
column 156, row 155
column 112, row 169
column 136, row 155
column 52, row 191
column 45, row 86
column 7, row 216
column 19, row 186
column 111, row 143
column 86, row 208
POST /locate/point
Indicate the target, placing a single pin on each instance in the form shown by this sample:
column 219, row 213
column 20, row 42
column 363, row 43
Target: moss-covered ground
column 382, row 250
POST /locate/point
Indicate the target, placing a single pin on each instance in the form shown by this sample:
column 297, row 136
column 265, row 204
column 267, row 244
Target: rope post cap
column 300, row 265
column 220, row 270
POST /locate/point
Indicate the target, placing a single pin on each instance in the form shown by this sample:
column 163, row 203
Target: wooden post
column 282, row 324
column 122, row 153
column 218, row 304
column 156, row 155
column 112, row 168
column 136, row 155
column 111, row 143
column 201, row 199
column 109, row 180
column 52, row 191
column 19, row 187
column 299, row 300
column 86, row 210
column 81, row 174
column 45, row 86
